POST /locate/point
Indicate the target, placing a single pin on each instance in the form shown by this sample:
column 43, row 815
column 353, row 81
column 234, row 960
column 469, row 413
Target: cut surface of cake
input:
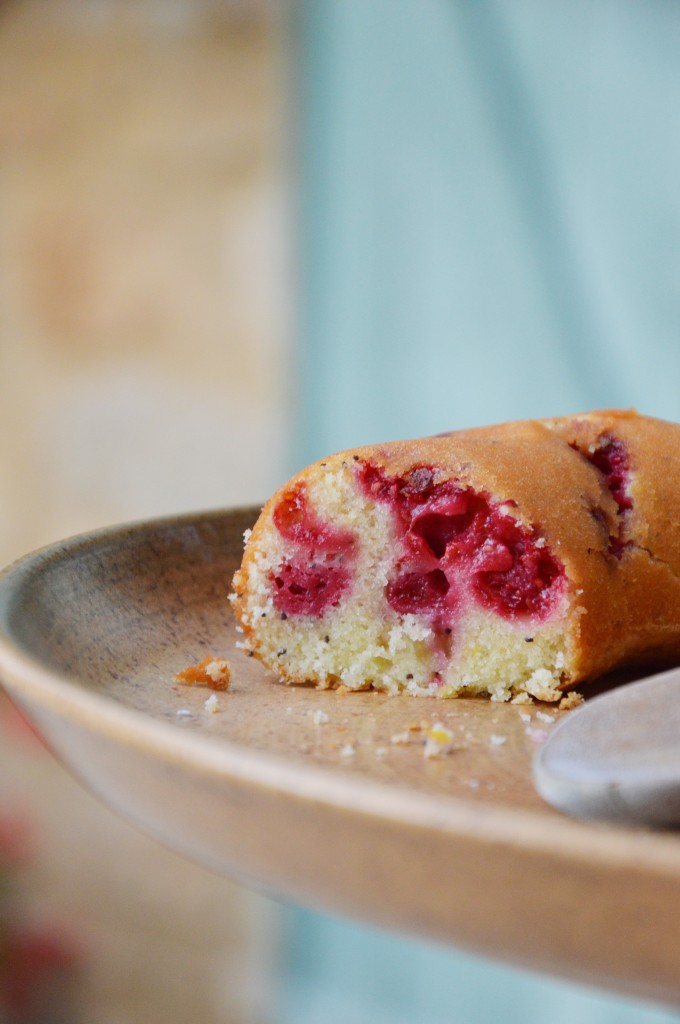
column 507, row 560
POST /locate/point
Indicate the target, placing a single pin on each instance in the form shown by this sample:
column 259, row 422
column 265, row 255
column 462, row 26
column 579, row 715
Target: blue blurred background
column 490, row 213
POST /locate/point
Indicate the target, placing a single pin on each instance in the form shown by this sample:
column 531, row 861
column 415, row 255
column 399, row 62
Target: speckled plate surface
column 339, row 813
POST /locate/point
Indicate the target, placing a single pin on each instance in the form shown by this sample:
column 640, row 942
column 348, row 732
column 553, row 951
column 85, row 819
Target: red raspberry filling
column 411, row 592
column 612, row 460
column 302, row 589
column 296, row 521
column 458, row 543
column 318, row 573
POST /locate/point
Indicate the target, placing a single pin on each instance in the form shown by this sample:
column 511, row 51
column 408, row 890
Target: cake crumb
column 522, row 698
column 347, row 750
column 381, row 751
column 537, row 735
column 401, row 738
column 438, row 741
column 212, row 705
column 497, row 741
column 212, row 672
column 545, row 718
column 319, row 717
column 570, row 700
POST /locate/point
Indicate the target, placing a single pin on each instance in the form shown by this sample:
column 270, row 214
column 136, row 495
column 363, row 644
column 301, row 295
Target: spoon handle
column 617, row 758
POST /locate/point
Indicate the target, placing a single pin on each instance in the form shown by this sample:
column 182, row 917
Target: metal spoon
column 618, row 756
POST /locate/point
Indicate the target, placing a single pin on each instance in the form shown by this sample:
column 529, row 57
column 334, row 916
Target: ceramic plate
column 316, row 797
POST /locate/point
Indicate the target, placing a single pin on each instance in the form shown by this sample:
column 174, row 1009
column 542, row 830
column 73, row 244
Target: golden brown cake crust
column 635, row 616
column 625, row 606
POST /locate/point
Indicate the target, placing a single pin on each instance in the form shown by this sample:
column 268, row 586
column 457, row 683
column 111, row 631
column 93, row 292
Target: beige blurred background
column 144, row 329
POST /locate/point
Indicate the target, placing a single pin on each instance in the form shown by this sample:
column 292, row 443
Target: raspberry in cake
column 508, row 560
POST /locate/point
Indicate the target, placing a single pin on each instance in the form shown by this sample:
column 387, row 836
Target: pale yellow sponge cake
column 510, row 560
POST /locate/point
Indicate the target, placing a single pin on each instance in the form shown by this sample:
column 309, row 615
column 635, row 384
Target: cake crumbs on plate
column 438, row 741
column 347, row 750
column 410, row 732
column 497, row 741
column 212, row 672
column 537, row 735
column 570, row 700
column 522, row 698
column 212, row 705
column 319, row 717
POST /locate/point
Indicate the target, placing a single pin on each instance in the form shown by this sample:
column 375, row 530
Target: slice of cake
column 520, row 558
